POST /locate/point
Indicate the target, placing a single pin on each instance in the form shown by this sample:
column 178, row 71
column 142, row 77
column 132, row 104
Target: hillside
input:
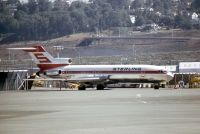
column 159, row 52
column 47, row 19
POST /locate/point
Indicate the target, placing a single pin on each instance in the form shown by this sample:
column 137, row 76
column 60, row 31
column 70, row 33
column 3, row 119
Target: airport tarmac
column 114, row 111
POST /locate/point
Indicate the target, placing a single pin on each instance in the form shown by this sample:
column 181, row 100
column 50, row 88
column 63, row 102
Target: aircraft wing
column 89, row 79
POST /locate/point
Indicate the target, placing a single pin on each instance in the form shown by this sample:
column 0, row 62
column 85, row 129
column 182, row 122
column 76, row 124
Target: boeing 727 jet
column 95, row 75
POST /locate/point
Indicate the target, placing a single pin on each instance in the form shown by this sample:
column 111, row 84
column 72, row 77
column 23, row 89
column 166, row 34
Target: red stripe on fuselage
column 50, row 66
column 113, row 72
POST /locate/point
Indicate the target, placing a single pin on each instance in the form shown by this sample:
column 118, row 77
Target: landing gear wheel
column 157, row 86
column 81, row 87
column 163, row 85
column 100, row 87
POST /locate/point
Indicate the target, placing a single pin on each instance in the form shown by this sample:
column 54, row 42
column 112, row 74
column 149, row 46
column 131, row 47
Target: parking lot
column 112, row 111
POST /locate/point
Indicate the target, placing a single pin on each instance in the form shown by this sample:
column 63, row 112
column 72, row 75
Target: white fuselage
column 117, row 72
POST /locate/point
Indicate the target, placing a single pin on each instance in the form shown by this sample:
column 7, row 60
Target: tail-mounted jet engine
column 52, row 72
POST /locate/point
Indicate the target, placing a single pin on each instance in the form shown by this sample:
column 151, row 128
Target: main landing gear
column 156, row 86
column 81, row 87
column 100, row 87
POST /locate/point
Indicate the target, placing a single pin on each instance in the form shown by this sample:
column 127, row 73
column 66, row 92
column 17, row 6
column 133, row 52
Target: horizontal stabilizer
column 25, row 48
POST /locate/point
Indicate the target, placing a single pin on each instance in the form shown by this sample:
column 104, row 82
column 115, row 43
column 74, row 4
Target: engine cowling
column 52, row 72
column 63, row 60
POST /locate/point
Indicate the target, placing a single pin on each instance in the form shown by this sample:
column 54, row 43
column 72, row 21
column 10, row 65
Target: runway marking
column 144, row 102
column 5, row 115
column 138, row 95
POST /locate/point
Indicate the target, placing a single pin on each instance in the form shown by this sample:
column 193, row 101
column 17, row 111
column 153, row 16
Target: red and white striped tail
column 43, row 59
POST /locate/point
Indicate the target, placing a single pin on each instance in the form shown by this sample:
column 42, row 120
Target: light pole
column 58, row 49
column 134, row 51
column 79, row 56
column 119, row 32
column 77, row 52
column 172, row 34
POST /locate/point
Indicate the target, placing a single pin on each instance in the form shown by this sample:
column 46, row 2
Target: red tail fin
column 43, row 59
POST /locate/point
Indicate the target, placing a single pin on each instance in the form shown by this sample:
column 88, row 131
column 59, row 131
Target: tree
column 140, row 21
column 32, row 6
column 60, row 23
column 119, row 19
column 92, row 17
column 60, row 5
column 182, row 22
column 149, row 3
column 13, row 2
column 77, row 5
column 167, row 6
column 79, row 21
column 115, row 21
column 23, row 7
column 158, row 5
column 137, row 4
column 104, row 15
column 42, row 19
column 40, row 24
column 119, row 4
column 7, row 24
column 196, row 6
column 44, row 5
column 78, row 16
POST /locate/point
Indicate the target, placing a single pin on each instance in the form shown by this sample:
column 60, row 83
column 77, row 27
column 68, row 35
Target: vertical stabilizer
column 43, row 59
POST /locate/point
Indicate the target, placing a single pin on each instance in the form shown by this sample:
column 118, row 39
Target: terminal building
column 184, row 68
column 189, row 67
column 186, row 74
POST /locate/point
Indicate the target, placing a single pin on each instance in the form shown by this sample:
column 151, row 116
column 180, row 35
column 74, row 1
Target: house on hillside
column 132, row 18
column 85, row 1
column 195, row 18
column 11, row 7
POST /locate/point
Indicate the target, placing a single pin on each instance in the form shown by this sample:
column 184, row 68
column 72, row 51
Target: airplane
column 95, row 75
